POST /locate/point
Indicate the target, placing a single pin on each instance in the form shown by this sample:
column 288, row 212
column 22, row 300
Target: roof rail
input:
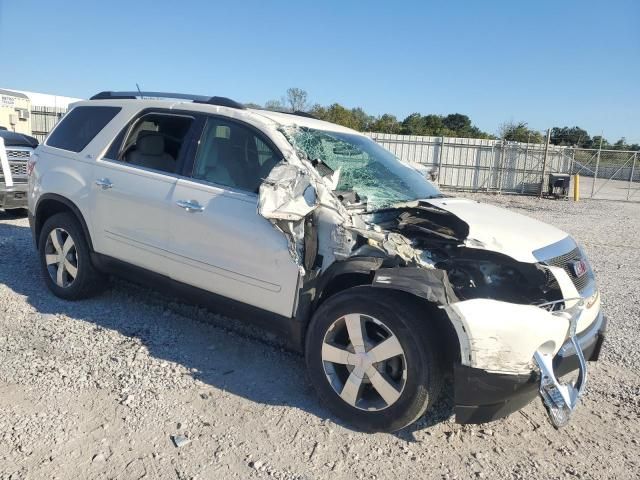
column 220, row 101
column 297, row 113
column 304, row 114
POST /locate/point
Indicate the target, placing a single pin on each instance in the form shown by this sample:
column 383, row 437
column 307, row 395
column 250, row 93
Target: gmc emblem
column 579, row 268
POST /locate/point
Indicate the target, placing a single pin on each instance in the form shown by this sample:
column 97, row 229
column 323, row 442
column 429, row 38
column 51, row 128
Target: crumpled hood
column 500, row 230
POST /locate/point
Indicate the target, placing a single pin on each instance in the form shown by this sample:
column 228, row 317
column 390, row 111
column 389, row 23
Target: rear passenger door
column 218, row 240
column 134, row 184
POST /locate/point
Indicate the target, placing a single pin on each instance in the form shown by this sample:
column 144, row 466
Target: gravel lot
column 97, row 389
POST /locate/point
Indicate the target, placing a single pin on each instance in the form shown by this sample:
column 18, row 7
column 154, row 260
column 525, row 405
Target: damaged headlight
column 506, row 281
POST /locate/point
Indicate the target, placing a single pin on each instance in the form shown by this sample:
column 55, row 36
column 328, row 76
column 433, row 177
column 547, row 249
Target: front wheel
column 372, row 359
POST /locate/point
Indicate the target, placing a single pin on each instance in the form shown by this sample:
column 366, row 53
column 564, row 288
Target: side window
column 152, row 141
column 80, row 126
column 233, row 155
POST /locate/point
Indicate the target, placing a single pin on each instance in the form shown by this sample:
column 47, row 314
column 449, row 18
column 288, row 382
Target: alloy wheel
column 61, row 257
column 364, row 362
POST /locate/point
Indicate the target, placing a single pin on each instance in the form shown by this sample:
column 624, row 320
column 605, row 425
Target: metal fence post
column 526, row 161
column 439, row 164
column 493, row 161
column 573, row 160
column 595, row 173
column 544, row 161
column 633, row 167
column 501, row 165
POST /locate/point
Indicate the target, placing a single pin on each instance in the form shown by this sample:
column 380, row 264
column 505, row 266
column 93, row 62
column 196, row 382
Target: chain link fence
column 608, row 174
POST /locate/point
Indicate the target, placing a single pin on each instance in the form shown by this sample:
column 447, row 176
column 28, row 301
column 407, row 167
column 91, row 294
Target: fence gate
column 608, row 174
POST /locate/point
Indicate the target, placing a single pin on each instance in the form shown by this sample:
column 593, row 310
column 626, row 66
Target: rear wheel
column 372, row 358
column 65, row 259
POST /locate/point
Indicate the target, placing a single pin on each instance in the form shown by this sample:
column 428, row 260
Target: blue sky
column 549, row 63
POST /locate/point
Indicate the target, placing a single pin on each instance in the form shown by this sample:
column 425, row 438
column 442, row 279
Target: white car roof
column 258, row 117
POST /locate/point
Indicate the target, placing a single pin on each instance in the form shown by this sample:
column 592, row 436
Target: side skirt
column 288, row 331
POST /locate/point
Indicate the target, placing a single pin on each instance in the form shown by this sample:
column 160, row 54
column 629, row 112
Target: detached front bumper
column 481, row 396
column 15, row 196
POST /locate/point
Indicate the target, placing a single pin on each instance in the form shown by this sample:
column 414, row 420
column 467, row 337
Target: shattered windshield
column 364, row 167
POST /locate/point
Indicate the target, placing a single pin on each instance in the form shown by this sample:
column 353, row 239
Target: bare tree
column 297, row 99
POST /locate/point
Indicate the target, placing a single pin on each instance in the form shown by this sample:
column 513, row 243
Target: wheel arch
column 428, row 289
column 51, row 204
column 340, row 276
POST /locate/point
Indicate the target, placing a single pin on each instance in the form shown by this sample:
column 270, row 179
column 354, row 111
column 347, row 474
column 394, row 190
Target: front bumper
column 15, row 196
column 481, row 396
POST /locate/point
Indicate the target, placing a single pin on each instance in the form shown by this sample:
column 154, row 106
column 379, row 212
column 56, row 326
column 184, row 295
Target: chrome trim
column 190, row 205
column 590, row 290
column 585, row 338
column 555, row 249
column 561, row 399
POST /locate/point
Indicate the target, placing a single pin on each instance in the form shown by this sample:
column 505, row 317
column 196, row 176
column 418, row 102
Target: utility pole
column 544, row 160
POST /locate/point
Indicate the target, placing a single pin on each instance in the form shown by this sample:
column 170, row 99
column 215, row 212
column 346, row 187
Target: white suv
column 315, row 231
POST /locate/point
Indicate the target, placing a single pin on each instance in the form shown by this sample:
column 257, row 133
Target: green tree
column 457, row 122
column 361, row 119
column 336, row 113
column 434, row 124
column 621, row 144
column 318, row 111
column 413, row 125
column 385, row 124
column 570, row 136
column 519, row 132
column 595, row 142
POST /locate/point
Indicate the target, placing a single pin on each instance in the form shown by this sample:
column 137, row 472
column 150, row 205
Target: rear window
column 79, row 126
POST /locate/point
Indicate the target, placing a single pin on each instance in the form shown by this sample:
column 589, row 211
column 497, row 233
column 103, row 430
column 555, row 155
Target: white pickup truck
column 15, row 151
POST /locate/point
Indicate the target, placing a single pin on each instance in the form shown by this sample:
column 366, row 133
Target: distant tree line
column 451, row 125
column 564, row 136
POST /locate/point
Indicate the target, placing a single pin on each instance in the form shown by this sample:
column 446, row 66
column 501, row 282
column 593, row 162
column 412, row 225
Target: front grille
column 564, row 261
column 18, row 169
column 18, row 154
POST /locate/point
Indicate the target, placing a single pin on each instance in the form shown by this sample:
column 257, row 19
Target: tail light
column 31, row 164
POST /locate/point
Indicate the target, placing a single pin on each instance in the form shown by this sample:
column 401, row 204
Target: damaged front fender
column 431, row 284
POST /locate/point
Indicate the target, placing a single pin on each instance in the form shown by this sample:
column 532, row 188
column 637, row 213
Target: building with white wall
column 15, row 111
column 32, row 113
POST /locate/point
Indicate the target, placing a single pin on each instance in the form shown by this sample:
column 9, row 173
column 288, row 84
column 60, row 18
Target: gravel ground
column 106, row 388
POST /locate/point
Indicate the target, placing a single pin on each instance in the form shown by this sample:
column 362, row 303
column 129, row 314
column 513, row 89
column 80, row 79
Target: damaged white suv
column 317, row 232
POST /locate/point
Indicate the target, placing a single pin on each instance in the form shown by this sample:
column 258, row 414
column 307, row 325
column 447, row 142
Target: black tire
column 88, row 280
column 402, row 315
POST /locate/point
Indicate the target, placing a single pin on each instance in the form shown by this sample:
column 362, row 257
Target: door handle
column 191, row 206
column 104, row 183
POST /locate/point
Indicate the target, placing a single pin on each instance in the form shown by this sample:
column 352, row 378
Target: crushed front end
column 519, row 293
column 524, row 350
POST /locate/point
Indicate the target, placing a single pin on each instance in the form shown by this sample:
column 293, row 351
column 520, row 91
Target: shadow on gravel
column 216, row 350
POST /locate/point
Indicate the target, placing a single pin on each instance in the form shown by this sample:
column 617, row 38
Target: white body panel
column 500, row 230
column 227, row 248
column 131, row 217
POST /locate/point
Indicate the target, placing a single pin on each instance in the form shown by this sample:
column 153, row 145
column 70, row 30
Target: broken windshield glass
column 364, row 166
